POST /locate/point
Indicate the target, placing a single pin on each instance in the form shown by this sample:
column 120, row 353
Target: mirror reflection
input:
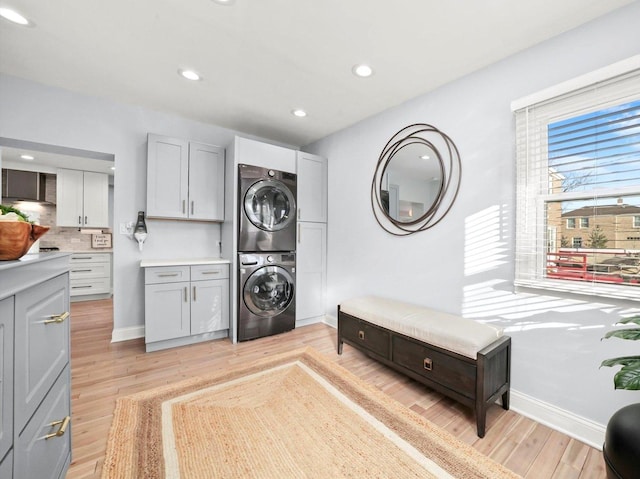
column 411, row 183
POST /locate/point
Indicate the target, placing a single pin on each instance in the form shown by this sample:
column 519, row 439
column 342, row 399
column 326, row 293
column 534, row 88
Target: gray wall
column 38, row 113
column 465, row 264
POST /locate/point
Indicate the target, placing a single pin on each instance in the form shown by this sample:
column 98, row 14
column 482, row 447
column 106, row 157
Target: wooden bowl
column 16, row 237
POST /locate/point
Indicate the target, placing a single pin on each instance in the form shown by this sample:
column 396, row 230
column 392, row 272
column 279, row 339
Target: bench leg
column 481, row 420
column 505, row 400
column 339, row 346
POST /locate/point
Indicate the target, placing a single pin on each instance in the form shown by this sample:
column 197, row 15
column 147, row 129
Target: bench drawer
column 366, row 335
column 451, row 372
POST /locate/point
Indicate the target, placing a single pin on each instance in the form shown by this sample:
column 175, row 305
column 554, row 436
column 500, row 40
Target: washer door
column 268, row 291
column 269, row 205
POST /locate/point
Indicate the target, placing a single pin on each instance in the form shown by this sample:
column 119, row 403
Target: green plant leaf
column 633, row 334
column 631, row 319
column 628, row 377
column 622, row 361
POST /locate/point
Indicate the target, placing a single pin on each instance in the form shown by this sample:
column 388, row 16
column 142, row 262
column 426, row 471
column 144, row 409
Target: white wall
column 465, row 264
column 34, row 112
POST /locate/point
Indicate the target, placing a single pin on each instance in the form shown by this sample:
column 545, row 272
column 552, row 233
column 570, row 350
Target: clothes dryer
column 267, row 294
column 267, row 209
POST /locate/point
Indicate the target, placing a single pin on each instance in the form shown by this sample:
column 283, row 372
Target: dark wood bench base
column 474, row 383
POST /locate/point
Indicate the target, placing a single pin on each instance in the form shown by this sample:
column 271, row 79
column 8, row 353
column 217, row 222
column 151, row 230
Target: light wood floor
column 101, row 372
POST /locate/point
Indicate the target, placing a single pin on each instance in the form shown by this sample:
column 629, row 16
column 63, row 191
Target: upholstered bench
column 461, row 358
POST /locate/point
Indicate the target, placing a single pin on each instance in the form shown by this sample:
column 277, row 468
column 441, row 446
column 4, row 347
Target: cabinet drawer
column 449, row 371
column 166, row 274
column 36, row 455
column 41, row 344
column 367, row 335
column 209, row 271
column 78, row 259
column 90, row 270
column 81, row 287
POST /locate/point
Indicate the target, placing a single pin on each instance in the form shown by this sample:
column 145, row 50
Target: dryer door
column 268, row 291
column 270, row 205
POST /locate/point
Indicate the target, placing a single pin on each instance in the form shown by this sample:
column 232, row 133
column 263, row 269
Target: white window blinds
column 578, row 189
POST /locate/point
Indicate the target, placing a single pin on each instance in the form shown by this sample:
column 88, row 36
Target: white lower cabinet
column 185, row 304
column 35, row 385
column 311, row 271
column 90, row 274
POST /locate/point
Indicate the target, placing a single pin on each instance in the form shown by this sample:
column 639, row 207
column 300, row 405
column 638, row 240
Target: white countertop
column 150, row 263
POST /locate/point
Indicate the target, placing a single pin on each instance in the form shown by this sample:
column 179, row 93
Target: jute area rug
column 292, row 415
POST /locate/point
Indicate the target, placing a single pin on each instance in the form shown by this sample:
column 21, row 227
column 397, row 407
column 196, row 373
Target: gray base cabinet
column 185, row 304
column 35, row 384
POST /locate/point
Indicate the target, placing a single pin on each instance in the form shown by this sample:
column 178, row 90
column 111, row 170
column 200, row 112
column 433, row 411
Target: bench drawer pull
column 428, row 364
column 361, row 335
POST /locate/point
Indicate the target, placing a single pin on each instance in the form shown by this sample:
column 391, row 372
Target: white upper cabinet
column 82, row 199
column 185, row 180
column 312, row 187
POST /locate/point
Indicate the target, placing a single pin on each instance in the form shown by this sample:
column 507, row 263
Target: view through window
column 592, row 208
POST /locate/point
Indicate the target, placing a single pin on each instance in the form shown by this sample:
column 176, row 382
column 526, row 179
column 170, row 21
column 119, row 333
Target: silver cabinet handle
column 185, row 294
column 79, row 220
column 85, row 220
column 184, row 203
column 166, row 275
column 210, row 272
column 192, row 203
column 299, row 212
column 194, row 294
column 81, row 270
column 82, row 257
column 299, row 234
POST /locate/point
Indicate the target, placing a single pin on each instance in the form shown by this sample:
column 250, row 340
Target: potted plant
column 621, row 447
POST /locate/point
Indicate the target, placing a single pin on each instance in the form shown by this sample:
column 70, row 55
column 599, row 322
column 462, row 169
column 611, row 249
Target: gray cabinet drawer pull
column 185, row 295
column 82, row 257
column 210, row 272
column 81, row 287
column 81, row 270
column 194, row 294
column 166, row 275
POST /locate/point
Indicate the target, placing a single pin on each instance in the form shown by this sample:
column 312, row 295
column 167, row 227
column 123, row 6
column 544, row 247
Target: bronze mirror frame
column 451, row 171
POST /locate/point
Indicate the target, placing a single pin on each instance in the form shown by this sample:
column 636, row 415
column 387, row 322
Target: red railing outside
column 595, row 265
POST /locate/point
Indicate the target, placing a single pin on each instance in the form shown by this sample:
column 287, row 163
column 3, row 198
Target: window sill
column 598, row 290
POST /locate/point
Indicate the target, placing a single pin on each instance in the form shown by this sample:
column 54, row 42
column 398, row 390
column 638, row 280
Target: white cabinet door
column 69, row 197
column 96, row 200
column 209, row 306
column 167, row 312
column 206, row 182
column 82, row 199
column 167, row 177
column 6, row 376
column 257, row 153
column 311, row 267
column 312, row 187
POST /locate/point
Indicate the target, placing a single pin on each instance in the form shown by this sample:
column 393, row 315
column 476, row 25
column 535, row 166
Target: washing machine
column 266, row 294
column 267, row 209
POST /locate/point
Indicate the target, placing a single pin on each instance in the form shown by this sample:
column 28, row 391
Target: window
column 578, row 165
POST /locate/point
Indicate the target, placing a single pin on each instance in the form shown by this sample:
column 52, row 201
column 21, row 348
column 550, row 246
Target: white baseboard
column 330, row 321
column 125, row 334
column 566, row 422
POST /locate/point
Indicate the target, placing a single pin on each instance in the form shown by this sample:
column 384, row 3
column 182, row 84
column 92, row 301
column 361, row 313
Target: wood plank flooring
column 101, row 372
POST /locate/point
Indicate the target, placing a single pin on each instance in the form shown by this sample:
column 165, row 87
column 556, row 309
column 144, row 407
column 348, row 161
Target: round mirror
column 411, row 183
column 416, row 180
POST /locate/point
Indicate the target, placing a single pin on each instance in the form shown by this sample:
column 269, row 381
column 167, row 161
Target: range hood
column 18, row 185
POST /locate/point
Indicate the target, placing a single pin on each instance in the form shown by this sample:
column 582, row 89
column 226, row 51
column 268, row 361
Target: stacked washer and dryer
column 266, row 251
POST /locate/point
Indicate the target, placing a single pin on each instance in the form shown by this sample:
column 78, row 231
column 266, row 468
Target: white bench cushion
column 447, row 331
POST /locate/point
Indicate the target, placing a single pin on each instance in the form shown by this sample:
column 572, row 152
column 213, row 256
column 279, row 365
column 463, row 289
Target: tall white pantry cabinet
column 311, row 257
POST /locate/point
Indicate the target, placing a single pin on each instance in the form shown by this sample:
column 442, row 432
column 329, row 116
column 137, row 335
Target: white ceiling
column 262, row 58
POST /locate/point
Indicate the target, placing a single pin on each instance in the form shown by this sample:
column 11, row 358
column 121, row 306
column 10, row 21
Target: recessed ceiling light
column 13, row 16
column 299, row 113
column 190, row 75
column 224, row 2
column 113, row 168
column 362, row 70
column 424, row 157
column 27, row 157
